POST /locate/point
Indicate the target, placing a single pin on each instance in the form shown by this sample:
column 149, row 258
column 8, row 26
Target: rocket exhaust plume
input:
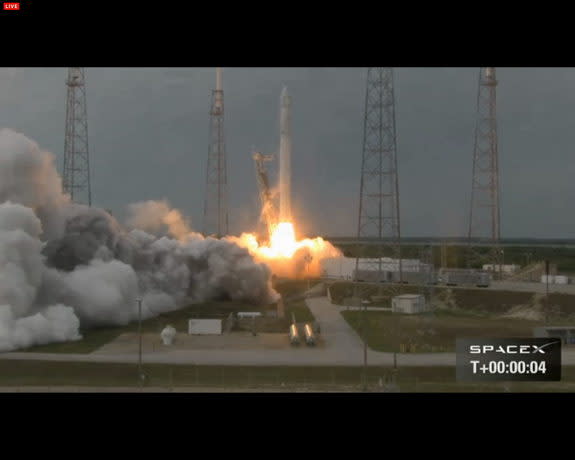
column 284, row 254
column 285, row 158
column 66, row 267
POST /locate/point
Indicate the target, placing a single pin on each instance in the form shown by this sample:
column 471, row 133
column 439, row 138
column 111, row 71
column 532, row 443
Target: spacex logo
column 11, row 6
column 508, row 359
column 509, row 349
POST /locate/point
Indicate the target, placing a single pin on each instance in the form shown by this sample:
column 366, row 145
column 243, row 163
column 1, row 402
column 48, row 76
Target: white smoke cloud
column 57, row 323
column 28, row 177
column 21, row 261
column 64, row 266
column 102, row 293
column 158, row 218
column 22, row 322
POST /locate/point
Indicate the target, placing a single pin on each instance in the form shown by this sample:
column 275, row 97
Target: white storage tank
column 337, row 267
column 555, row 279
column 168, row 335
column 249, row 314
column 507, row 269
column 408, row 304
column 205, row 327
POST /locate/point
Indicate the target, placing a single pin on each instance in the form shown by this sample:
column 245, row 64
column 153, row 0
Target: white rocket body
column 285, row 158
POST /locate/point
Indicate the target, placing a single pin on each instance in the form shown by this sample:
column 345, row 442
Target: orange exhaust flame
column 285, row 255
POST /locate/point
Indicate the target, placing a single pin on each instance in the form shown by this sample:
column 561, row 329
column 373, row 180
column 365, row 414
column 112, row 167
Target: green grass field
column 95, row 338
column 432, row 332
column 289, row 288
column 475, row 300
column 92, row 339
column 22, row 373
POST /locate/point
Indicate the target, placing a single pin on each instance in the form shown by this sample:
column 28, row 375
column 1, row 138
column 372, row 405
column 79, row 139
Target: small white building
column 344, row 267
column 507, row 269
column 555, row 279
column 337, row 267
column 205, row 327
column 409, row 304
column 249, row 314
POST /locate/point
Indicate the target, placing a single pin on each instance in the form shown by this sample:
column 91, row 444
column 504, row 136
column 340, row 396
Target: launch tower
column 484, row 210
column 216, row 197
column 76, row 171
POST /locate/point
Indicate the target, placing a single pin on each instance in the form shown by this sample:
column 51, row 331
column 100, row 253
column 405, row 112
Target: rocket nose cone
column 284, row 92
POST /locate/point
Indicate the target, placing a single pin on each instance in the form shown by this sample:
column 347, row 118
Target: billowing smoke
column 65, row 266
column 158, row 218
column 22, row 321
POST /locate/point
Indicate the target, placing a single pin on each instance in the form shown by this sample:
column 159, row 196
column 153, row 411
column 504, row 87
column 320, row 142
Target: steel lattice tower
column 216, row 199
column 379, row 189
column 484, row 210
column 76, row 175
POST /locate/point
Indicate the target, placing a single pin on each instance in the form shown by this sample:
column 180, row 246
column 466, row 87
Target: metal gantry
column 379, row 190
column 379, row 187
column 76, row 171
column 216, row 198
column 484, row 214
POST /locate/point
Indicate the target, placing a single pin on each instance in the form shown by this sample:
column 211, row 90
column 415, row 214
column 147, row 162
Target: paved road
column 343, row 347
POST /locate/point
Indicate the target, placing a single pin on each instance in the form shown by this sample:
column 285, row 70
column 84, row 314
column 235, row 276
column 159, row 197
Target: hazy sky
column 148, row 134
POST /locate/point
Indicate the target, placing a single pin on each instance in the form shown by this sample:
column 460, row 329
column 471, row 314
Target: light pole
column 140, row 372
column 546, row 290
column 361, row 308
column 364, row 333
column 308, row 258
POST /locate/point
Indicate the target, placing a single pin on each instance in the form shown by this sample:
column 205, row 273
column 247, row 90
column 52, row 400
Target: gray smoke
column 65, row 266
column 158, row 218
column 22, row 321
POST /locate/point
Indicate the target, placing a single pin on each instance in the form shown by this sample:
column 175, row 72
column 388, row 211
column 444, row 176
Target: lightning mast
column 379, row 190
column 379, row 187
column 216, row 198
column 484, row 214
column 76, row 171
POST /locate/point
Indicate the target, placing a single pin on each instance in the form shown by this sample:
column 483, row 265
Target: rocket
column 285, row 158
